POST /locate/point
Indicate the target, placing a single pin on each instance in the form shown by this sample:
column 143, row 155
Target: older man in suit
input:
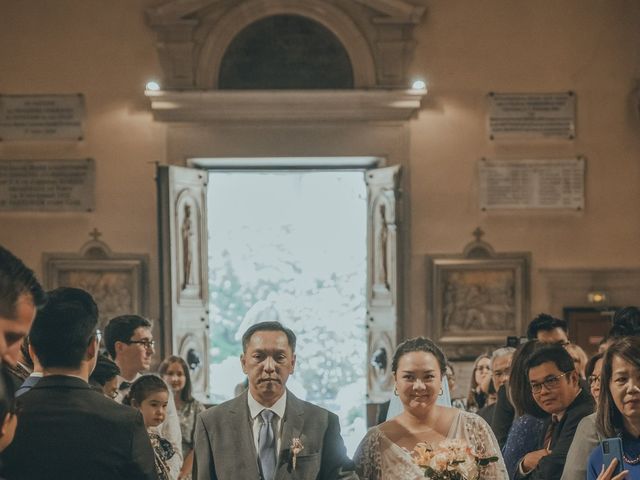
column 267, row 433
column 67, row 430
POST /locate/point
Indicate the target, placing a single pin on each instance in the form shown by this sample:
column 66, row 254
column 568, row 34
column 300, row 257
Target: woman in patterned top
column 175, row 372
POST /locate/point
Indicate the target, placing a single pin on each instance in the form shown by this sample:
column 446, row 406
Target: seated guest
column 502, row 416
column 477, row 397
column 451, row 380
column 619, row 409
column 548, row 329
column 486, row 412
column 66, row 429
column 529, row 417
column 579, row 358
column 104, row 377
column 175, row 372
column 593, row 370
column 626, row 322
column 556, row 389
column 36, row 373
column 129, row 341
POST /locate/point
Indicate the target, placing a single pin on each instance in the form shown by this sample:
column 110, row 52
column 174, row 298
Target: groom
column 267, row 433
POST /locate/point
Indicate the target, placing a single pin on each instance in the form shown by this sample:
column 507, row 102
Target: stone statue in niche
column 381, row 250
column 187, row 248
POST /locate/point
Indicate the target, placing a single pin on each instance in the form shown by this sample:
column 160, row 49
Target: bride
column 385, row 452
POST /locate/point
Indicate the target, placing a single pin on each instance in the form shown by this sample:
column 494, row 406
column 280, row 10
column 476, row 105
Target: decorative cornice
column 285, row 106
column 193, row 35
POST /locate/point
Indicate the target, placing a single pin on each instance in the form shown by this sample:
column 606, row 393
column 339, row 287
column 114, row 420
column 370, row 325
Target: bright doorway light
column 291, row 246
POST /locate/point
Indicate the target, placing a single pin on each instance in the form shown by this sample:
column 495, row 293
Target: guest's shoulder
column 222, row 409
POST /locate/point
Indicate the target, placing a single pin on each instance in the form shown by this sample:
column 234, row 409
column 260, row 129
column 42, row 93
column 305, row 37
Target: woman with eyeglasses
column 480, row 377
column 618, row 413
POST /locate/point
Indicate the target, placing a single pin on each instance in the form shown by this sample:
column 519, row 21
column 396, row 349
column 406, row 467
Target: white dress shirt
column 278, row 408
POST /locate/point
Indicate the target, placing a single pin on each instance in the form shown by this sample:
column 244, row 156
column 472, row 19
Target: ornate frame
column 477, row 298
column 118, row 282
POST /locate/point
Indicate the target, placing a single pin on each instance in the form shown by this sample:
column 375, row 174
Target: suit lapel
column 293, row 423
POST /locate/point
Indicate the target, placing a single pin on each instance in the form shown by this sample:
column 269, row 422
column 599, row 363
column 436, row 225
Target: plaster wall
column 464, row 49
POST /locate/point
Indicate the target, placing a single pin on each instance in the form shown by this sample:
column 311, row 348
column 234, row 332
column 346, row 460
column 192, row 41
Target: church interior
column 463, row 106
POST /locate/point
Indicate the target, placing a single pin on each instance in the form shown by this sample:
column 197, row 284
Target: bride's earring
column 441, row 392
column 395, row 391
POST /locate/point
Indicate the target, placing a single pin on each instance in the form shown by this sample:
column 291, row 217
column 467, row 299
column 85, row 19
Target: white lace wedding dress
column 378, row 458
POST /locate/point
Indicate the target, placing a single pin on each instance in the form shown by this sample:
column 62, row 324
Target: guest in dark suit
column 66, row 430
column 556, row 390
column 267, row 433
column 20, row 295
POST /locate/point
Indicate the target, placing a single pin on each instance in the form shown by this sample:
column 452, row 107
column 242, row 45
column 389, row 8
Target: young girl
column 150, row 395
column 175, row 372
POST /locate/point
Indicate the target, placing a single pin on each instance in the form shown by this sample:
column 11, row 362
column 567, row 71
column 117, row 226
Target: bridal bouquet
column 451, row 460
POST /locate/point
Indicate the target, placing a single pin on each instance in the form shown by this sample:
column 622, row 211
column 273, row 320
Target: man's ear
column 92, row 350
column 574, row 377
column 243, row 362
column 293, row 362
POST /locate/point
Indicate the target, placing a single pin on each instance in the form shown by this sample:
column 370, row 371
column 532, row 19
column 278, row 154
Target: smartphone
column 612, row 448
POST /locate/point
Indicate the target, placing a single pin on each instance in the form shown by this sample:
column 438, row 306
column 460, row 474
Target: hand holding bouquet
column 451, row 460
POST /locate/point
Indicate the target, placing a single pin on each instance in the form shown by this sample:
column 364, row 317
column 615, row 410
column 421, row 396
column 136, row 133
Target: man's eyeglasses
column 594, row 379
column 98, row 335
column 502, row 373
column 550, row 383
column 148, row 344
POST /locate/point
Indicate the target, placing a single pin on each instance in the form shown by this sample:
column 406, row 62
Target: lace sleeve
column 367, row 458
column 480, row 437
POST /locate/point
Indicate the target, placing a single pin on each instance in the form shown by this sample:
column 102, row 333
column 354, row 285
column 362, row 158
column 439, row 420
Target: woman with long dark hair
column 175, row 372
column 618, row 412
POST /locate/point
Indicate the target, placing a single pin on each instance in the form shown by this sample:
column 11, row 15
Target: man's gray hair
column 501, row 352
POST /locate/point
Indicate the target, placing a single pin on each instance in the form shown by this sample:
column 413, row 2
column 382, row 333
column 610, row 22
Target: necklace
column 631, row 461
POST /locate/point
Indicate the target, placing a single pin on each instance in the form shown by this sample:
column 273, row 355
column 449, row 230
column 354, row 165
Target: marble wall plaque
column 532, row 184
column 47, row 185
column 41, row 117
column 529, row 116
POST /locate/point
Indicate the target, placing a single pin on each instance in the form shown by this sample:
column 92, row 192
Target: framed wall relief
column 477, row 298
column 117, row 282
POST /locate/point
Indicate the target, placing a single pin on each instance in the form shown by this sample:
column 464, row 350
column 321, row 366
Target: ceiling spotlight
column 153, row 86
column 419, row 85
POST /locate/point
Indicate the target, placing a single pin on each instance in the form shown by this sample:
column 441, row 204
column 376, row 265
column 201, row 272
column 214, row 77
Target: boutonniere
column 296, row 447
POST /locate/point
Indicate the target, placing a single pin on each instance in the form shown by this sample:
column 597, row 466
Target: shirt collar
column 256, row 407
column 122, row 379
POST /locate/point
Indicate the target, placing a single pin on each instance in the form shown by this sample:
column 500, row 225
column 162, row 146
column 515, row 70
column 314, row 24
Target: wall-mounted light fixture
column 419, row 84
column 153, row 86
column 597, row 297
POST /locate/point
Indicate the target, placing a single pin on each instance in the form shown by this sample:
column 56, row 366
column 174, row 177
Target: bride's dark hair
column 419, row 344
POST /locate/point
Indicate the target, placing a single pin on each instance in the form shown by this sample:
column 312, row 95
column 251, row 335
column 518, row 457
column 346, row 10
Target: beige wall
column 464, row 49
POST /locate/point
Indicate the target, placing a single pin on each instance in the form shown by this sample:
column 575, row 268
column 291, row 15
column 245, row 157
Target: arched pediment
column 193, row 35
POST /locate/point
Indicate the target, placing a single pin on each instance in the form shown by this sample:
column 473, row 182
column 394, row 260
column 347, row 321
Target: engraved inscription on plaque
column 41, row 117
column 532, row 184
column 532, row 115
column 47, row 185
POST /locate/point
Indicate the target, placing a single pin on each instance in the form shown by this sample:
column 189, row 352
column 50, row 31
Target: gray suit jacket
column 224, row 448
